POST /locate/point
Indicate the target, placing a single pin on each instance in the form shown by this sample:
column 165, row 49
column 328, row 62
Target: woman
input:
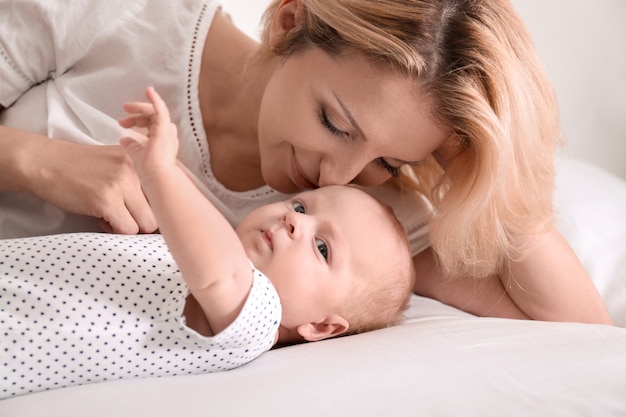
column 443, row 97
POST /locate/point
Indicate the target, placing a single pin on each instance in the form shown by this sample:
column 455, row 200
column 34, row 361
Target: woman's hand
column 90, row 180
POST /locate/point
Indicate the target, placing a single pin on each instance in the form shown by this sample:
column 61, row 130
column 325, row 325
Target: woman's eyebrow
column 350, row 117
column 354, row 123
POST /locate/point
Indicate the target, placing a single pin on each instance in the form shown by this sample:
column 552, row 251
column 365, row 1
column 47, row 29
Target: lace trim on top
column 193, row 107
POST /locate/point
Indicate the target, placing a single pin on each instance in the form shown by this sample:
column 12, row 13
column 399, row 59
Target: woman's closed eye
column 323, row 116
column 394, row 171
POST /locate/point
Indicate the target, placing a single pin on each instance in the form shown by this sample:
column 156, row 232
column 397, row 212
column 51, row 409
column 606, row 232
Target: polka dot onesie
column 90, row 307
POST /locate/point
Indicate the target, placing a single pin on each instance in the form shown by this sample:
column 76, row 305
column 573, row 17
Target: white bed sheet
column 441, row 362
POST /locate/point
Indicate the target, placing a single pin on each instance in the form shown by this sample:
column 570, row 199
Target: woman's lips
column 298, row 176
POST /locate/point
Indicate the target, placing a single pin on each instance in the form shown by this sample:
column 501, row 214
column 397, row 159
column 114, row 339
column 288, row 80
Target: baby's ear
column 331, row 326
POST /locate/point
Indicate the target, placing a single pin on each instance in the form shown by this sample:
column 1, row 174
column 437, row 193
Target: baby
column 82, row 308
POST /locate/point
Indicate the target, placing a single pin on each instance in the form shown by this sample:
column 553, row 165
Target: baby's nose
column 297, row 224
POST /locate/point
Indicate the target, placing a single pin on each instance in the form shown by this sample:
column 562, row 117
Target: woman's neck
column 231, row 86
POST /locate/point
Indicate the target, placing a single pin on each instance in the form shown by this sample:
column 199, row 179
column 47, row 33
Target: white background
column 583, row 46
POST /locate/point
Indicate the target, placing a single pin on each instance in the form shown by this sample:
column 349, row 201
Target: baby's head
column 338, row 258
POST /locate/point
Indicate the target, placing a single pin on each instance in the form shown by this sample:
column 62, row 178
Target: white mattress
column 441, row 362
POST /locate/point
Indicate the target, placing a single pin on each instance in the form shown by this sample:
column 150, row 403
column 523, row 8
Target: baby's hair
column 380, row 298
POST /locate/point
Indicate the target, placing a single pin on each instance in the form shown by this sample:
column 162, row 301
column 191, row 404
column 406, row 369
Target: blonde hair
column 382, row 291
column 476, row 63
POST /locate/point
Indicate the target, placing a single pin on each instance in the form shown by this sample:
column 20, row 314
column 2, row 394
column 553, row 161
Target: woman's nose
column 353, row 172
column 341, row 171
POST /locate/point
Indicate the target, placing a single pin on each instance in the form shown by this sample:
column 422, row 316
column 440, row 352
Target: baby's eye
column 298, row 207
column 322, row 247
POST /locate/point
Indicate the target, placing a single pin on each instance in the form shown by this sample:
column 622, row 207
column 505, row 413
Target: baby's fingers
column 140, row 115
column 162, row 126
column 139, row 107
column 158, row 105
column 134, row 121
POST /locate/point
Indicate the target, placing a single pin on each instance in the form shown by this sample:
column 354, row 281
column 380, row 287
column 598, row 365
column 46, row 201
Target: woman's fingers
column 131, row 213
column 141, row 212
column 134, row 217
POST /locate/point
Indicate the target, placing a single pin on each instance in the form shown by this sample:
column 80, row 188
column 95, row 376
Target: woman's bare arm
column 97, row 181
column 549, row 284
column 481, row 297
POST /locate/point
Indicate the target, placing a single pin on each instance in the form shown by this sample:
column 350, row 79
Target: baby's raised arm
column 208, row 252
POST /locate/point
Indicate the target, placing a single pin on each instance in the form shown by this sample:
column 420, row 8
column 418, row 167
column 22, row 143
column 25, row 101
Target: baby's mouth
column 267, row 238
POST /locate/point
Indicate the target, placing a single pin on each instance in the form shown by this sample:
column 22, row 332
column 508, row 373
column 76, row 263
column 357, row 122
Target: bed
column 440, row 362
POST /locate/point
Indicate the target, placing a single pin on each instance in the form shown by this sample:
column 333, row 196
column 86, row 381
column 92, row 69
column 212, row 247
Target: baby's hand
column 157, row 151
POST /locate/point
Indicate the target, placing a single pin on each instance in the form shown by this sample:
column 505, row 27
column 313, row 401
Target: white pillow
column 591, row 214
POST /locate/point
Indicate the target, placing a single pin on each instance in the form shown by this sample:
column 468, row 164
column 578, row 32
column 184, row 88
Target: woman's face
column 337, row 120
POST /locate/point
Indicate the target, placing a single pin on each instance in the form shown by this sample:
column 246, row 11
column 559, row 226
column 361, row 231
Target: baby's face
column 313, row 247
